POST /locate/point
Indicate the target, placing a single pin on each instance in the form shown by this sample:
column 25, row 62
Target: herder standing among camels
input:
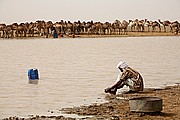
column 129, row 77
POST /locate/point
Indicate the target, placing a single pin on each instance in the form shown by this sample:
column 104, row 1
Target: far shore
column 129, row 34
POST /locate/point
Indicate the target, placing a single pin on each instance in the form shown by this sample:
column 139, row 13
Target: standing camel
column 138, row 25
column 124, row 26
column 21, row 30
column 31, row 29
column 69, row 29
column 47, row 28
column 132, row 25
column 60, row 27
column 88, row 26
column 106, row 27
column 164, row 23
column 2, row 30
column 154, row 24
column 175, row 27
column 116, row 26
column 97, row 28
column 142, row 24
column 77, row 27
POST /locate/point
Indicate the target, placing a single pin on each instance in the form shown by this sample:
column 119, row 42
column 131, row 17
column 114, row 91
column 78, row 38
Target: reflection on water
column 75, row 71
column 33, row 81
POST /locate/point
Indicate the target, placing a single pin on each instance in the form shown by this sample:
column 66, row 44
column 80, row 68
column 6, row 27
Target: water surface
column 75, row 71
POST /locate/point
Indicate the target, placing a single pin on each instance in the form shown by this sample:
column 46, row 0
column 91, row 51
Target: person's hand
column 107, row 90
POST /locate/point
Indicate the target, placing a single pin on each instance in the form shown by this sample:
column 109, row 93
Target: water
column 75, row 71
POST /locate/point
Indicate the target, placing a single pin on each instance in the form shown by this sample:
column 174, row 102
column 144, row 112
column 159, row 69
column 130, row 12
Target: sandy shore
column 118, row 109
column 129, row 34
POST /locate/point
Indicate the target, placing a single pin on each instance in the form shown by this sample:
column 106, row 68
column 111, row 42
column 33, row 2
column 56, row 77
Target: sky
column 86, row 10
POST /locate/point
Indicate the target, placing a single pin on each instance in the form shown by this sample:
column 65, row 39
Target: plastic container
column 33, row 74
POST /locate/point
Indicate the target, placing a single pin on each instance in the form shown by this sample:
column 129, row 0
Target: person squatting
column 129, row 77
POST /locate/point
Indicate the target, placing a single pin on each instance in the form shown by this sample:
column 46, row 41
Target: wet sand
column 117, row 108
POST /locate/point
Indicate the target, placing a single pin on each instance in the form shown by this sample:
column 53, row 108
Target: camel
column 82, row 26
column 2, row 30
column 78, row 28
column 132, row 25
column 175, row 27
column 94, row 29
column 148, row 24
column 14, row 27
column 8, row 31
column 47, row 28
column 135, row 25
column 97, row 28
column 21, row 30
column 164, row 23
column 88, row 26
column 136, row 22
column 116, row 26
column 30, row 29
column 40, row 27
column 113, row 27
column 60, row 27
column 106, row 28
column 43, row 28
column 123, row 26
column 69, row 29
column 154, row 24
column 141, row 25
column 138, row 25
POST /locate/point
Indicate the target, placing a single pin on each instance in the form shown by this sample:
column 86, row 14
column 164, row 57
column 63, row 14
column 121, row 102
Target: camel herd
column 42, row 28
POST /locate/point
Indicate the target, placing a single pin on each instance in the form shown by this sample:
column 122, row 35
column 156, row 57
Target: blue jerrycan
column 33, row 74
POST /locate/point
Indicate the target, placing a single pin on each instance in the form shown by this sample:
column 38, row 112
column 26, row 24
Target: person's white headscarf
column 122, row 64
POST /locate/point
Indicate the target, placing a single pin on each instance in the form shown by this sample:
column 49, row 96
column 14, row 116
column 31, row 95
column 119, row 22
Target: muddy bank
column 117, row 107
